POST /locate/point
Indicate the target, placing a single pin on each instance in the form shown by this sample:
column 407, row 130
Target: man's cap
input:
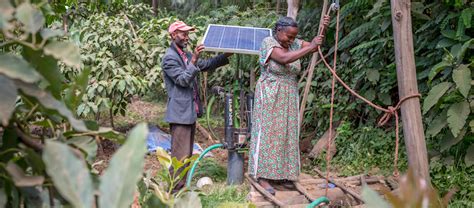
column 181, row 26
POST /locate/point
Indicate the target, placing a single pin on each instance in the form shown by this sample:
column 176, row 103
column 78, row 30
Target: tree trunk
column 407, row 85
column 111, row 114
column 154, row 4
column 293, row 8
column 278, row 6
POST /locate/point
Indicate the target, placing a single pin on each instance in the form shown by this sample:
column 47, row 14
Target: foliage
column 158, row 191
column 224, row 196
column 211, row 168
column 46, row 153
column 413, row 192
column 122, row 64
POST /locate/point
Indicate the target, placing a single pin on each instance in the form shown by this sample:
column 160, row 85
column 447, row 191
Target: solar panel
column 234, row 39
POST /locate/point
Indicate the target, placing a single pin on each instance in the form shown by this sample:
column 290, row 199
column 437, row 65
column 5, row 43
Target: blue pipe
column 191, row 172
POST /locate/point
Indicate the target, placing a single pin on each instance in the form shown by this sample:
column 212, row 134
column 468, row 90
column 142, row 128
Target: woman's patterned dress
column 274, row 146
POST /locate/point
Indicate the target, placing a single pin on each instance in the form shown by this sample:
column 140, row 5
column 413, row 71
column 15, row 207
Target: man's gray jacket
column 180, row 80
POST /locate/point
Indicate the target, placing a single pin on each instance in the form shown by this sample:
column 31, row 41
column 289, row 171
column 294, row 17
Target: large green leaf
column 469, row 159
column 372, row 199
column 189, row 199
column 17, row 68
column 74, row 92
column 8, row 94
column 435, row 93
column 64, row 51
column 449, row 140
column 438, row 123
column 47, row 66
column 462, row 78
column 69, row 173
column 437, row 68
column 119, row 180
column 48, row 101
column 466, row 16
column 457, row 115
column 31, row 17
column 373, row 75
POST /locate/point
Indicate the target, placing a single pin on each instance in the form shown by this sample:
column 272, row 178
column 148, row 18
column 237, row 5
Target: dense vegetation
column 111, row 52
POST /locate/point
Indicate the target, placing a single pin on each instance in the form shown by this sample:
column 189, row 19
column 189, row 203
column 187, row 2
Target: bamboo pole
column 407, row 85
column 314, row 59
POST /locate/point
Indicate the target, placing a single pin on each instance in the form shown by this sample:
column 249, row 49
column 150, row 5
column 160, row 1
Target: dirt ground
column 152, row 113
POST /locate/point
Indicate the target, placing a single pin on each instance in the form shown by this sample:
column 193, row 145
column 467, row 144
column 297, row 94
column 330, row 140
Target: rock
column 204, row 181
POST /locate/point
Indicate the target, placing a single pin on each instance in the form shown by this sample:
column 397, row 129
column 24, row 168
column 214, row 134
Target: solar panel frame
column 239, row 48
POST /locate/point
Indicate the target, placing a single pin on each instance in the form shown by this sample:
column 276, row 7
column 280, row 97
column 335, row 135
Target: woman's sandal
column 268, row 187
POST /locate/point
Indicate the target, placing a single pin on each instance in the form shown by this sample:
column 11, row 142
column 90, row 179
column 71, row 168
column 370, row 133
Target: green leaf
column 469, row 159
column 457, row 115
column 373, row 75
column 164, row 158
column 466, row 16
column 48, row 101
column 21, row 179
column 64, row 51
column 69, row 174
column 47, row 66
column 87, row 144
column 436, row 69
column 74, row 92
column 372, row 199
column 8, row 94
column 188, row 199
column 451, row 34
column 47, row 33
column 31, row 17
column 462, row 78
column 17, row 68
column 119, row 180
column 445, row 42
column 6, row 13
column 433, row 96
column 449, row 140
column 438, row 123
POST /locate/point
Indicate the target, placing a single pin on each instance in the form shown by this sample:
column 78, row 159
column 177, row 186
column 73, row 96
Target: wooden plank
column 263, row 191
column 407, row 85
column 355, row 195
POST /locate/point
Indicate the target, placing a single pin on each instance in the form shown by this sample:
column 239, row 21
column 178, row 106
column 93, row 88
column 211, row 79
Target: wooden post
column 314, row 60
column 407, row 85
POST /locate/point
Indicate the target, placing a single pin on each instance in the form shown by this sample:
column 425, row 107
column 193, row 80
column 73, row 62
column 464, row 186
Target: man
column 181, row 70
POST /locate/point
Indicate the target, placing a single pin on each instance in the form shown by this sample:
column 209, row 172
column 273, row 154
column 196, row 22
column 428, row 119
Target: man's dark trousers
column 182, row 141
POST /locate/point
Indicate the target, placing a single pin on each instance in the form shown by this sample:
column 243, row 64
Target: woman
column 274, row 147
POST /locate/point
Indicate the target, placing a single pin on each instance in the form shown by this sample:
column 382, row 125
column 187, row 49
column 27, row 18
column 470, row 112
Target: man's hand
column 197, row 52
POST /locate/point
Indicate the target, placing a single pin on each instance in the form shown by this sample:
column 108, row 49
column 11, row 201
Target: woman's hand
column 318, row 40
column 326, row 20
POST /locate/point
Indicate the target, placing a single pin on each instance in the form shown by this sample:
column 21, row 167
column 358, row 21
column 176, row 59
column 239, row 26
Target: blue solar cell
column 229, row 40
column 246, row 38
column 259, row 36
column 215, row 35
column 234, row 38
